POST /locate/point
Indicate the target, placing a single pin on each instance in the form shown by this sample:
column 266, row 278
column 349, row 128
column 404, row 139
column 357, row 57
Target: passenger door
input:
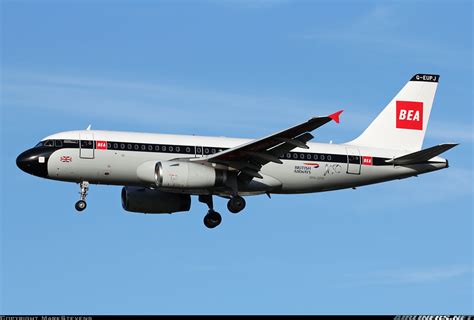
column 86, row 146
column 353, row 160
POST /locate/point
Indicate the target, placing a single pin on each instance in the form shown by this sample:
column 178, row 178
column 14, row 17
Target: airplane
column 160, row 172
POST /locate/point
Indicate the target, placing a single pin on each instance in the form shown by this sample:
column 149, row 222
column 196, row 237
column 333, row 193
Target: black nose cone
column 34, row 162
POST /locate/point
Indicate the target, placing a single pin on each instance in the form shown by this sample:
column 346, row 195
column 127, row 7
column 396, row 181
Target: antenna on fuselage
column 89, row 127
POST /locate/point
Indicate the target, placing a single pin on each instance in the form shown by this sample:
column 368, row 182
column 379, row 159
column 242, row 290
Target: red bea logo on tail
column 409, row 115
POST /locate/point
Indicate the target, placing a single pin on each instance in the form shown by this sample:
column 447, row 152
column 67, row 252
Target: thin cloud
column 445, row 186
column 424, row 276
column 149, row 103
column 417, row 276
column 252, row 4
column 379, row 29
column 450, row 132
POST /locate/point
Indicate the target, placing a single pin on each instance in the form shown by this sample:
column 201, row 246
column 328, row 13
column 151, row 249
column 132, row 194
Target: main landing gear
column 213, row 218
column 236, row 204
column 81, row 204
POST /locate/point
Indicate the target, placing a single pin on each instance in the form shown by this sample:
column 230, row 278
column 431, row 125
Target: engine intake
column 135, row 199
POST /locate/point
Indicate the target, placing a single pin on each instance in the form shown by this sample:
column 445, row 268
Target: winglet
column 335, row 116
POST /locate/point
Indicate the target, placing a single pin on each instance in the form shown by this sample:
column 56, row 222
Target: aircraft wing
column 249, row 158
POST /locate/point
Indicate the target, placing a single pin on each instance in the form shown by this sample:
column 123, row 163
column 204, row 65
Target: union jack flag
column 65, row 159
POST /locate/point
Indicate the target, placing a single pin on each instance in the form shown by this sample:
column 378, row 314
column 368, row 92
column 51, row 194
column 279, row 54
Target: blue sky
column 245, row 69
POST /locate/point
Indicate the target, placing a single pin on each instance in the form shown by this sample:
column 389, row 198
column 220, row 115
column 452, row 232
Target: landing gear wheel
column 236, row 204
column 80, row 205
column 212, row 219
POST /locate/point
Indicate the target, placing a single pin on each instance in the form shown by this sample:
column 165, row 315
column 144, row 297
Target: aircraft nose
column 33, row 162
column 22, row 162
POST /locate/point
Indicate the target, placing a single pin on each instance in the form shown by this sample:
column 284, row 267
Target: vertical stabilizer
column 403, row 122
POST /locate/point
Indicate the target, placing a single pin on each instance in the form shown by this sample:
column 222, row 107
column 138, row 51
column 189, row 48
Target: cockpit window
column 58, row 143
column 48, row 143
column 40, row 144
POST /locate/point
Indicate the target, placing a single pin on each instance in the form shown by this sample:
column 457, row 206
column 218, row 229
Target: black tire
column 80, row 205
column 212, row 219
column 236, row 204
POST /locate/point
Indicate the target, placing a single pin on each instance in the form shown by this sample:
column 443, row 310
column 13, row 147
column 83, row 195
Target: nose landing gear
column 81, row 204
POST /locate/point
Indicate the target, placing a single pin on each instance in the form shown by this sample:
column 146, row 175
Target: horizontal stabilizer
column 422, row 156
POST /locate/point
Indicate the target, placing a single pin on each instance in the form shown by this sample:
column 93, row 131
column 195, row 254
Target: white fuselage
column 115, row 157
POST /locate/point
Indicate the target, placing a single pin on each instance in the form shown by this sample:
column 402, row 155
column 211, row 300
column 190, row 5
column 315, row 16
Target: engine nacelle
column 181, row 175
column 187, row 175
column 144, row 200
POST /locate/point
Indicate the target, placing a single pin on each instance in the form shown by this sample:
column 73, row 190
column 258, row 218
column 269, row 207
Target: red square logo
column 367, row 161
column 101, row 145
column 410, row 115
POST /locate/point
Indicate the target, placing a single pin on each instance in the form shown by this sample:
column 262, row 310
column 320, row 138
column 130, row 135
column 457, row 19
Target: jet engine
column 181, row 175
column 145, row 200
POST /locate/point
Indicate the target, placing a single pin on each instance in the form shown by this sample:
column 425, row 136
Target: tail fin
column 403, row 122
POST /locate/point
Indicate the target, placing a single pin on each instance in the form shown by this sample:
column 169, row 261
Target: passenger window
column 177, row 149
column 302, row 156
column 322, row 157
column 70, row 142
column 354, row 159
column 295, row 156
column 213, row 151
column 308, row 156
column 109, row 145
column 136, row 147
column 170, row 148
column 157, row 148
column 315, row 157
column 129, row 146
column 163, row 148
column 288, row 155
column 188, row 150
column 206, row 151
column 329, row 158
column 150, row 148
column 143, row 147
column 115, row 145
